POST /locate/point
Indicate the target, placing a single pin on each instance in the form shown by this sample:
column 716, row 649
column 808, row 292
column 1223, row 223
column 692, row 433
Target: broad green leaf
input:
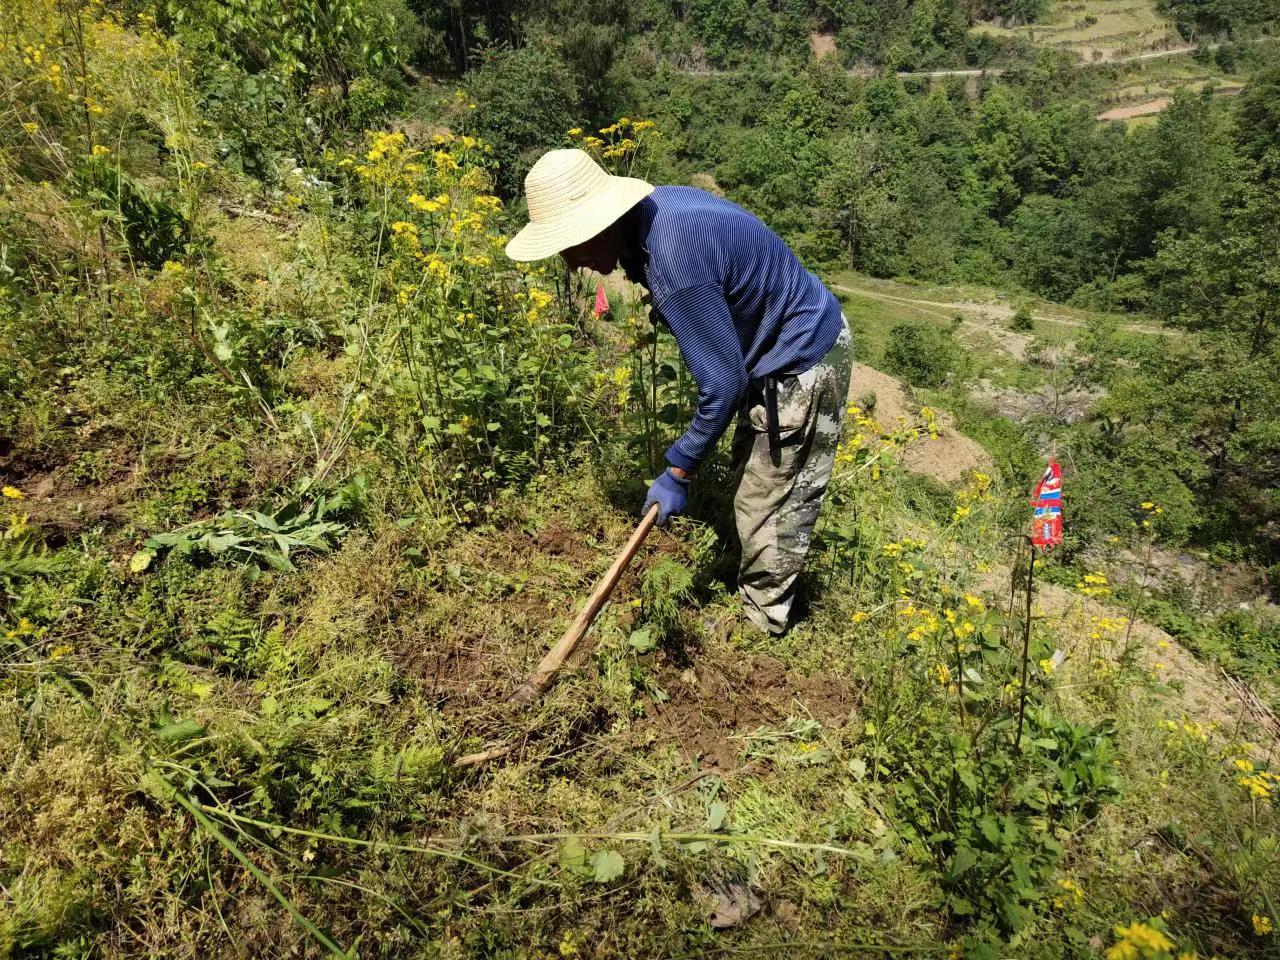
column 716, row 814
column 573, row 856
column 642, row 640
column 607, row 864
column 655, row 847
column 990, row 829
column 964, row 860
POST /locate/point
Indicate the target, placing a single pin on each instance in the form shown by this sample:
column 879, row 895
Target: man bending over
column 763, row 338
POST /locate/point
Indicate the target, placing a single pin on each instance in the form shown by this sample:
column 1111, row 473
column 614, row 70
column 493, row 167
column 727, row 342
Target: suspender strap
column 771, row 414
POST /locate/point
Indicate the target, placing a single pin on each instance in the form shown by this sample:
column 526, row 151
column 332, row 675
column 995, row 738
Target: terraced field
column 1097, row 30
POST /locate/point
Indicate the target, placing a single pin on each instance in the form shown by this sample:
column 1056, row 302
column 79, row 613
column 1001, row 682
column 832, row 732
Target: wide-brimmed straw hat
column 571, row 199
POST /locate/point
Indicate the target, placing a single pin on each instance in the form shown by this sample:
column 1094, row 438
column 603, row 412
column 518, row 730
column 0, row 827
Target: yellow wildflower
column 1072, row 893
column 11, row 493
column 1256, row 786
column 100, row 151
column 25, row 628
column 1094, row 585
column 575, row 131
column 419, row 202
column 861, row 616
column 444, row 162
column 1138, row 939
column 30, row 127
column 1262, row 924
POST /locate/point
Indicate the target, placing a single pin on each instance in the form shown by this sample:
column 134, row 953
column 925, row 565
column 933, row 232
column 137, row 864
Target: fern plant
column 22, row 556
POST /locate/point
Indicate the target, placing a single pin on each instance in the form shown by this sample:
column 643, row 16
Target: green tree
column 525, row 101
column 588, row 35
column 1258, row 120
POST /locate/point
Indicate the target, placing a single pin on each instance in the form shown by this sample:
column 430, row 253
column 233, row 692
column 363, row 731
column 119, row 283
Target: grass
column 991, row 350
column 315, row 760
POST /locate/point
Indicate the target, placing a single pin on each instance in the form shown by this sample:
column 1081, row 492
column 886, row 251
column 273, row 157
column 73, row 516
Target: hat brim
column 545, row 238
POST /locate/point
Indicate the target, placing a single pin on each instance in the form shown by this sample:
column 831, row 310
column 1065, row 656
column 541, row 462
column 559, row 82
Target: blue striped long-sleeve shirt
column 739, row 303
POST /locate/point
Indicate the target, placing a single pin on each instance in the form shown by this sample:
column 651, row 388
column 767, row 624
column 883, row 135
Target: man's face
column 600, row 253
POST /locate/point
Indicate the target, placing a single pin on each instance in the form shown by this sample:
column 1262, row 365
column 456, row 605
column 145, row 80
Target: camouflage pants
column 779, row 491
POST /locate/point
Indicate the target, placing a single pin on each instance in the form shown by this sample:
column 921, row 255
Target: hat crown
column 560, row 181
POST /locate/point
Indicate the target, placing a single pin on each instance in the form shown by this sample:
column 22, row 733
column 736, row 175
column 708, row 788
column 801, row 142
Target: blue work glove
column 670, row 493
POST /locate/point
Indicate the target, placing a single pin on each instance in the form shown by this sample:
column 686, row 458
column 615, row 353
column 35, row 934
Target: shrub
column 921, row 353
column 524, row 102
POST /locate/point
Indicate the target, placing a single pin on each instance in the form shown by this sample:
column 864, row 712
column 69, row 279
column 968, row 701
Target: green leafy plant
column 252, row 535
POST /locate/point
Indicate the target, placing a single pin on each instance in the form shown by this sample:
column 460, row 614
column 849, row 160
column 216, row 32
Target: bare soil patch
column 946, row 459
column 1197, row 689
column 558, row 540
column 724, row 696
column 822, row 45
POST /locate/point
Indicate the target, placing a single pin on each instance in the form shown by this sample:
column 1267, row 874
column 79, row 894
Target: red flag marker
column 1046, row 525
column 602, row 302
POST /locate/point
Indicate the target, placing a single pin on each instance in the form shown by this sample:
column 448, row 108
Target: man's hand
column 670, row 492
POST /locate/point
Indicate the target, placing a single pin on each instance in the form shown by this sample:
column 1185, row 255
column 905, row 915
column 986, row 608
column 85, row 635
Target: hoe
column 550, row 664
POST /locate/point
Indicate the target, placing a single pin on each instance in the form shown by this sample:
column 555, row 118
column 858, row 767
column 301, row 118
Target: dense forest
column 301, row 476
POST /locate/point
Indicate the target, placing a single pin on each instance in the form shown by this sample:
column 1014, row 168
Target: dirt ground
column 723, row 697
column 946, row 459
column 1195, row 689
column 1135, row 109
column 822, row 45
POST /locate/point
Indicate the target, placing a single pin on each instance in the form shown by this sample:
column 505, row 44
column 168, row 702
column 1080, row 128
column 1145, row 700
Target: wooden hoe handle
column 556, row 656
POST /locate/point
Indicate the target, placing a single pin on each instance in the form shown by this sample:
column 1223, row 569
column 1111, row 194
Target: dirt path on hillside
column 1107, row 59
column 991, row 311
column 1135, row 110
column 947, row 459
